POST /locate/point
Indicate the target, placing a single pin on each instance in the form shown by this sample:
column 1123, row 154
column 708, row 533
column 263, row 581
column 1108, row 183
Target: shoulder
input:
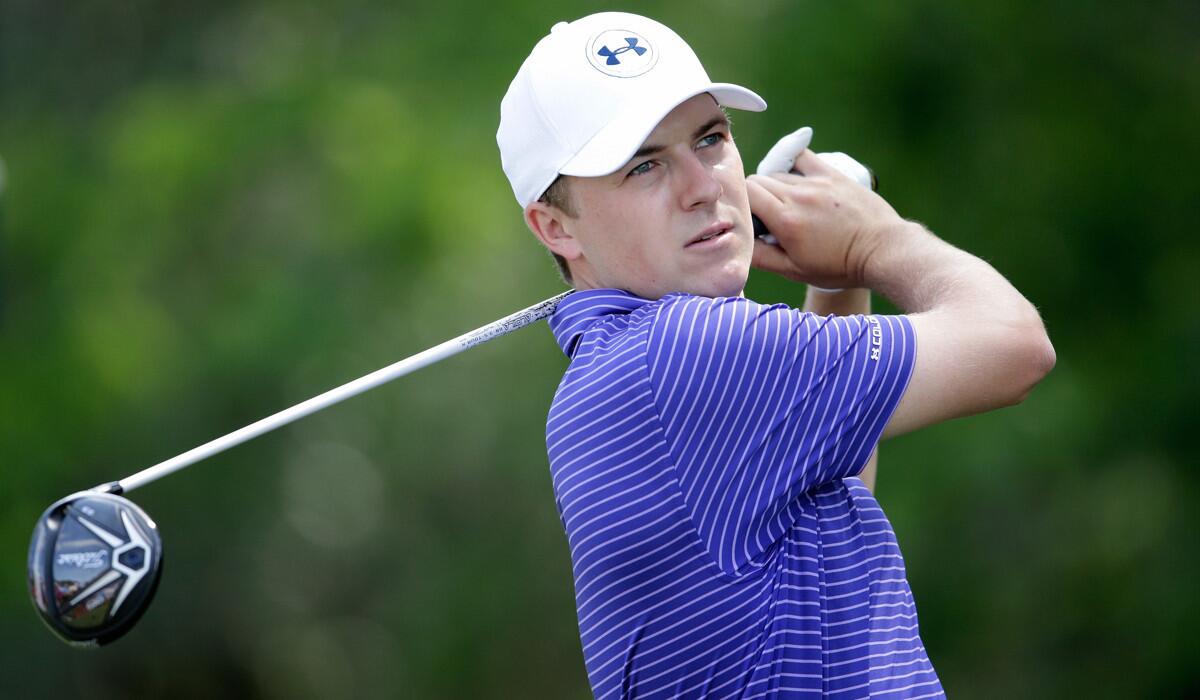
column 702, row 324
column 674, row 309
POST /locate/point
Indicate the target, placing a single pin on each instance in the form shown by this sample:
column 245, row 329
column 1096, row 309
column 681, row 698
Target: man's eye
column 643, row 168
column 712, row 139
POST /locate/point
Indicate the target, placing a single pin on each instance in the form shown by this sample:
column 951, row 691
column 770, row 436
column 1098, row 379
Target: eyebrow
column 708, row 125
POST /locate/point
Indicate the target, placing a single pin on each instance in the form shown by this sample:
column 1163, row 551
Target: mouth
column 711, row 235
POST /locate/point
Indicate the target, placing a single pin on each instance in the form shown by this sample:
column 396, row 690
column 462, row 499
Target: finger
column 769, row 257
column 790, row 179
column 812, row 164
column 766, row 206
column 765, row 203
column 786, row 187
column 783, row 154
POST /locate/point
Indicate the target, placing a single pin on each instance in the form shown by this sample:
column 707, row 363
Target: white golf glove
column 782, row 157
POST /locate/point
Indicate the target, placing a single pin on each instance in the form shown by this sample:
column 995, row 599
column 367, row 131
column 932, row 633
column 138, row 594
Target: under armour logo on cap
column 639, row 54
column 612, row 55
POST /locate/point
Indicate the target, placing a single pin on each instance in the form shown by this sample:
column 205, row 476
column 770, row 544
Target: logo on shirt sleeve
column 876, row 338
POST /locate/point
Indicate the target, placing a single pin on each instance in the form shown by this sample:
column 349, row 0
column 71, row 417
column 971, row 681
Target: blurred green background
column 211, row 211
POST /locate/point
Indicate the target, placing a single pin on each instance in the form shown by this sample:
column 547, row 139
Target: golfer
column 704, row 448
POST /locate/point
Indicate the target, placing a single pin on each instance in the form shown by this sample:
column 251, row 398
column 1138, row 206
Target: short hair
column 558, row 196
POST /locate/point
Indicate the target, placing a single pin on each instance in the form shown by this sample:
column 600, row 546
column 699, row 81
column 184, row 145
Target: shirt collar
column 580, row 310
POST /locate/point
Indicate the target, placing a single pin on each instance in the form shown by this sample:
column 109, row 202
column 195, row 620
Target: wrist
column 888, row 254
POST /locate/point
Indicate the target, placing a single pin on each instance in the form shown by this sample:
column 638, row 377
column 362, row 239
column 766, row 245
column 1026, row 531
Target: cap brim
column 616, row 143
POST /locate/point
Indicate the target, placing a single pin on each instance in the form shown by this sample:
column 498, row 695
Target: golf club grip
column 396, row 370
column 760, row 229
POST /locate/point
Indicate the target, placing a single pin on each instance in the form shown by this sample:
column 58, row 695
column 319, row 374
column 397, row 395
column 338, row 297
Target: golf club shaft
column 454, row 346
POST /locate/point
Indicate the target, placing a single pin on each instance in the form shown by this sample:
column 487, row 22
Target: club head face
column 94, row 564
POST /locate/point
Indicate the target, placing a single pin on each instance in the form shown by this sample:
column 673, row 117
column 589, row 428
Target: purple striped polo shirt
column 704, row 455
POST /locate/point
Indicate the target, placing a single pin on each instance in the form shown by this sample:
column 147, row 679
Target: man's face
column 641, row 228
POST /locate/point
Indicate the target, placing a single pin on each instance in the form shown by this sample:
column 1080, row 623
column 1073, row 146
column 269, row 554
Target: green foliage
column 212, row 211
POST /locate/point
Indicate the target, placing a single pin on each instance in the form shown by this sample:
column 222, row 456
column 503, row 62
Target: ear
column 553, row 228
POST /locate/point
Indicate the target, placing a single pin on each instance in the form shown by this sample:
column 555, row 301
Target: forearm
column 919, row 272
column 974, row 328
column 843, row 303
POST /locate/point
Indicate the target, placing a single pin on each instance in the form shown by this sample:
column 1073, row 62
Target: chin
column 733, row 281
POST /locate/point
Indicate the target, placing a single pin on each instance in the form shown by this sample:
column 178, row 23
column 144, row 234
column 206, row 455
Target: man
column 704, row 448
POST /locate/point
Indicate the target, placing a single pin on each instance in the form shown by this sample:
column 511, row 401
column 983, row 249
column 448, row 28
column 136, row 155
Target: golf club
column 96, row 558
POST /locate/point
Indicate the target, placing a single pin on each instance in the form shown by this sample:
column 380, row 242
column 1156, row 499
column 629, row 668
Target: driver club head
column 94, row 564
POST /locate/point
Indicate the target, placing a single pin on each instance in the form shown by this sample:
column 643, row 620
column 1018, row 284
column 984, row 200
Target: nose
column 698, row 185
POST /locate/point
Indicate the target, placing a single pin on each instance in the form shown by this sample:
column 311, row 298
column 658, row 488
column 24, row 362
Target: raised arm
column 980, row 344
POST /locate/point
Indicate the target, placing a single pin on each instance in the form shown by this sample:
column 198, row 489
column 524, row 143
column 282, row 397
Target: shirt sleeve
column 761, row 404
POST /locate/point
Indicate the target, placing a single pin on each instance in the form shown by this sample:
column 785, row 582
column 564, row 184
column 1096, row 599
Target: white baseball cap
column 590, row 93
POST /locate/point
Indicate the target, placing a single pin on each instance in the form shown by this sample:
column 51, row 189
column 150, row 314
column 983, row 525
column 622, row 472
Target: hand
column 825, row 223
